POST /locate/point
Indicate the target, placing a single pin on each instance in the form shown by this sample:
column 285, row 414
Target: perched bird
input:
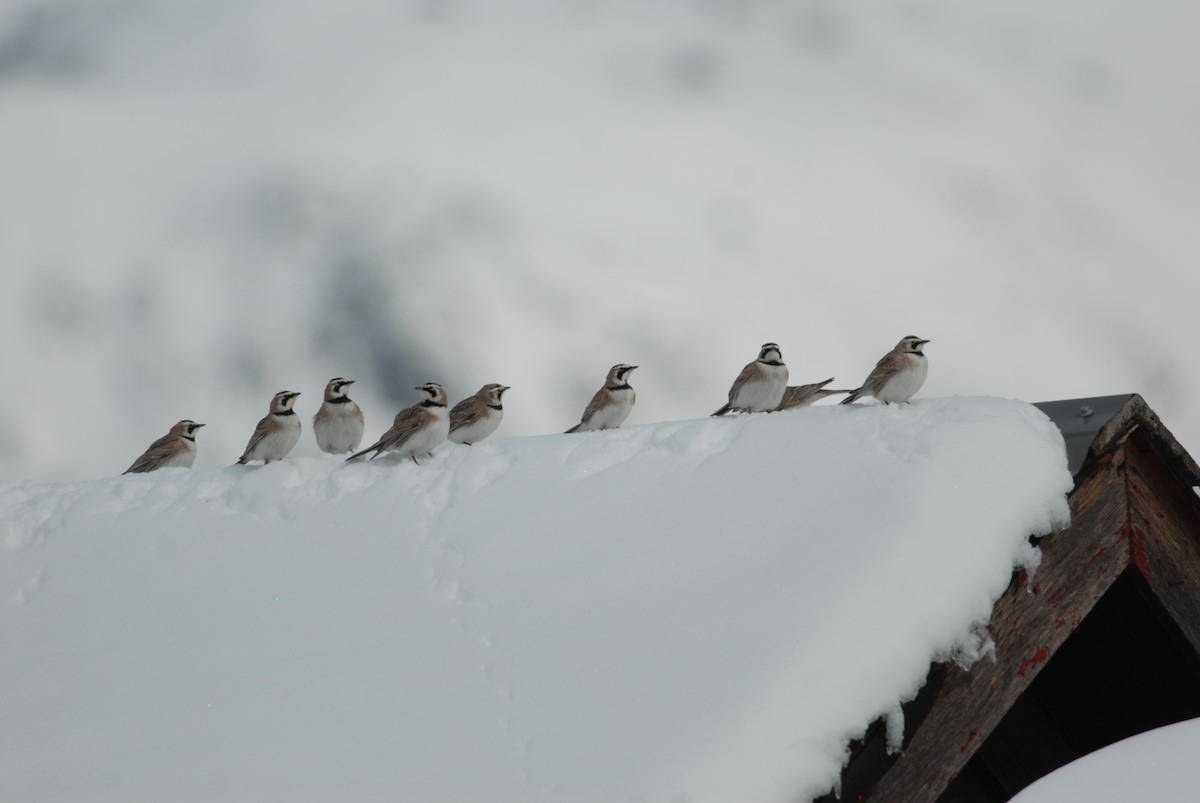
column 760, row 385
column 610, row 406
column 338, row 425
column 176, row 448
column 476, row 417
column 276, row 434
column 417, row 429
column 795, row 396
column 898, row 375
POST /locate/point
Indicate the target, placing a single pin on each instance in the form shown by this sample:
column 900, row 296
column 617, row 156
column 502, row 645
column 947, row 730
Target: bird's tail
column 723, row 410
column 854, row 394
column 241, row 461
column 574, row 428
column 830, row 391
column 363, row 452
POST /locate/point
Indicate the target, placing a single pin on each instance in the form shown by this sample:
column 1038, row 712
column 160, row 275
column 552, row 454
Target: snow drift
column 702, row 610
column 1155, row 765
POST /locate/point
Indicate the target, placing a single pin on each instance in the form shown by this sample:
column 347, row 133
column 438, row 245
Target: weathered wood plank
column 1028, row 624
column 1164, row 534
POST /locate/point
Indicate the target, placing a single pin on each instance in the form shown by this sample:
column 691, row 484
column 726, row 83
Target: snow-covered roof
column 1099, row 644
column 704, row 610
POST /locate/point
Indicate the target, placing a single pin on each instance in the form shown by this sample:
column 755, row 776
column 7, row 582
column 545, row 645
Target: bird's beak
column 922, row 342
column 633, row 368
column 197, row 426
column 349, row 381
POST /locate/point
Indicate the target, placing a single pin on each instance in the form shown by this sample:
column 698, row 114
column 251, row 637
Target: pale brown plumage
column 610, row 406
column 277, row 433
column 176, row 448
column 476, row 417
column 417, row 429
column 898, row 374
column 338, row 424
column 795, row 396
column 760, row 385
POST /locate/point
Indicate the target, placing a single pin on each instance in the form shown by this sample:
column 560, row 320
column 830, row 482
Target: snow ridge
column 705, row 609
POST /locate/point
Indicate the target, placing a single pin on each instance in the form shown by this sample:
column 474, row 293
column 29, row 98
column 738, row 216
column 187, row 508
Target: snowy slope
column 205, row 203
column 702, row 610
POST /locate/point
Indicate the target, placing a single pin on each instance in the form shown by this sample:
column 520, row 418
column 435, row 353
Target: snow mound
column 704, row 610
column 1156, row 765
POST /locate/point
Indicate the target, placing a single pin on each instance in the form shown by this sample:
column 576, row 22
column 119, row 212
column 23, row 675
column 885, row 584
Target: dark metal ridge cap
column 1096, row 426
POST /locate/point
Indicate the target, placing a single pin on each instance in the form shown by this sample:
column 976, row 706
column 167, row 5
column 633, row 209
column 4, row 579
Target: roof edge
column 1092, row 427
column 1137, row 414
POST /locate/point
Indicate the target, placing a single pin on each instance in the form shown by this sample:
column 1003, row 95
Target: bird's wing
column 745, row 376
column 261, row 431
column 885, row 369
column 598, row 401
column 388, row 439
column 161, row 449
column 407, row 422
column 464, row 413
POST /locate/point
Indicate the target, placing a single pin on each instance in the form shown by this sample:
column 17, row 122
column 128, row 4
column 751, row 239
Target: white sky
column 204, row 204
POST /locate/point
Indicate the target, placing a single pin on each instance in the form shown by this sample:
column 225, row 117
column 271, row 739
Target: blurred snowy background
column 204, row 203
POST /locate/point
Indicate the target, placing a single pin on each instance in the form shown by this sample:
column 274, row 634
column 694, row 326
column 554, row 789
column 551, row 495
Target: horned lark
column 611, row 405
column 176, row 448
column 898, row 375
column 417, row 429
column 276, row 434
column 795, row 396
column 759, row 387
column 338, row 425
column 476, row 417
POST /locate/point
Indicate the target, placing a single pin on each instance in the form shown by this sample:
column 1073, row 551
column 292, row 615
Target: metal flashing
column 1081, row 420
